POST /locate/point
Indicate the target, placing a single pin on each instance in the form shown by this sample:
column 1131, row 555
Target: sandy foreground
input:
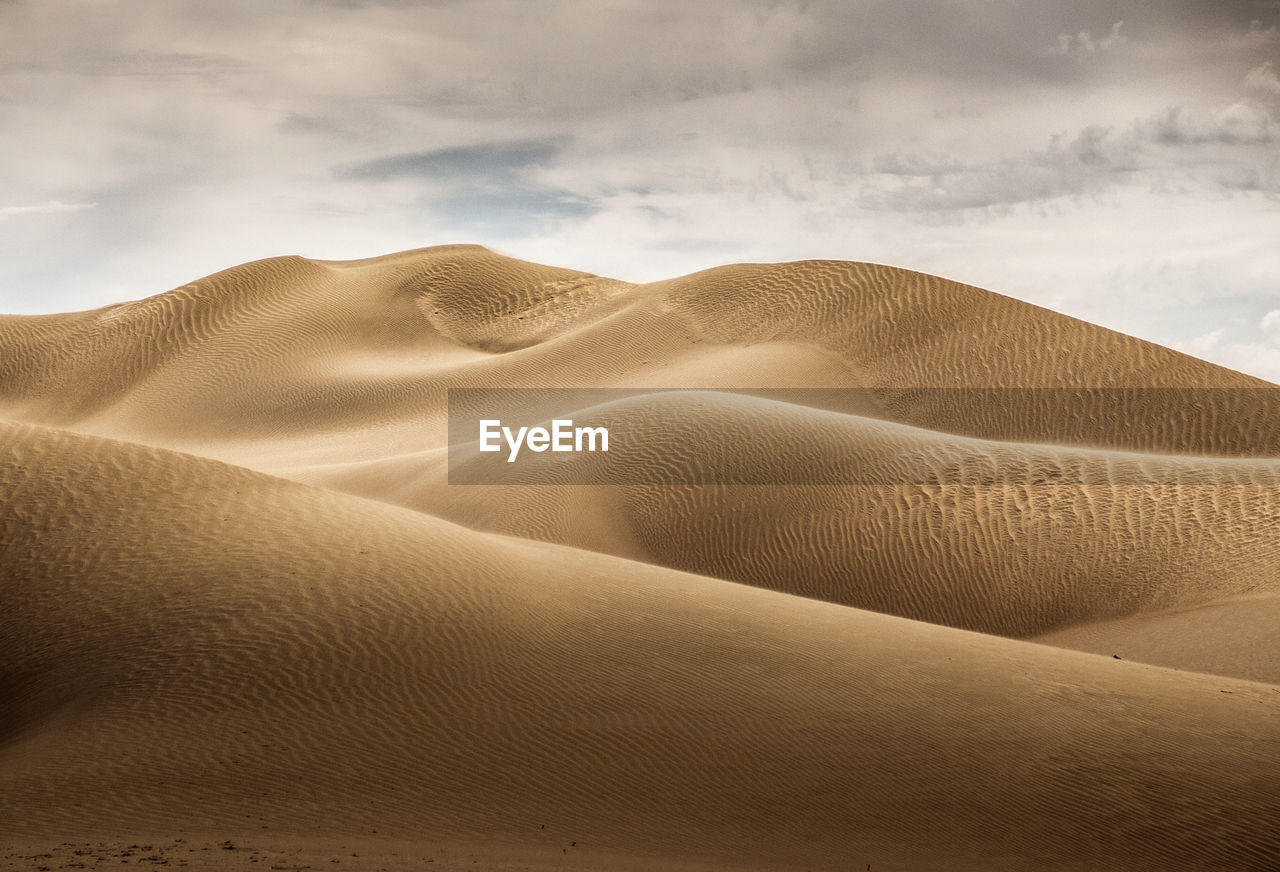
column 247, row 622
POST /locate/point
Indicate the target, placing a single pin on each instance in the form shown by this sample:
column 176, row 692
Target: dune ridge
column 241, row 600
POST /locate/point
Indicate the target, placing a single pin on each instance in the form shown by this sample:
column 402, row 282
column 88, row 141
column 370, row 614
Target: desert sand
column 1030, row 622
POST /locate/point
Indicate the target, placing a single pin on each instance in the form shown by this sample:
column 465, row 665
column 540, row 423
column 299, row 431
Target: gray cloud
column 512, row 213
column 159, row 63
column 487, row 188
column 1222, row 147
column 1086, row 163
column 489, row 161
column 1237, row 124
column 362, row 4
column 1263, row 83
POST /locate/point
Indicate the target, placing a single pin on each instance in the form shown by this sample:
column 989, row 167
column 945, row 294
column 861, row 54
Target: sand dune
column 1229, row 637
column 1014, row 539
column 242, row 601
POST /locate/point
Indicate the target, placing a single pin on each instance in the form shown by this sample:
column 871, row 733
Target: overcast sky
column 1117, row 161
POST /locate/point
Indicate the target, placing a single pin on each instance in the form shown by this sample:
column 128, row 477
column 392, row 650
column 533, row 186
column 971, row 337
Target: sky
column 1115, row 161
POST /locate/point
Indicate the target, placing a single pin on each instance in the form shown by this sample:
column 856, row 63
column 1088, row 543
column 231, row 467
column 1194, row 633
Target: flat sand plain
column 246, row 622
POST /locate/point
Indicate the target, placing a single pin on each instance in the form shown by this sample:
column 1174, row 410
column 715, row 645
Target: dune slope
column 221, row 651
column 240, row 599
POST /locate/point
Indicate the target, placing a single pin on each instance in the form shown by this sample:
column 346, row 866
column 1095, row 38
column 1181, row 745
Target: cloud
column 1203, row 346
column 164, row 63
column 1256, row 358
column 1263, row 83
column 52, row 207
column 1221, row 149
column 360, row 4
column 1251, row 353
column 1270, row 325
column 481, row 161
column 487, row 188
column 1086, row 163
column 1083, row 44
column 1235, row 124
column 512, row 213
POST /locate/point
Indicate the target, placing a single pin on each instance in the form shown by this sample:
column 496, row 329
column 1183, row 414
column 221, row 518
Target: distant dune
column 1028, row 621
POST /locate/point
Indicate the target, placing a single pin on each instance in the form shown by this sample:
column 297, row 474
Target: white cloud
column 1204, row 345
column 1261, row 359
column 49, row 208
column 1263, row 83
column 1270, row 325
column 1083, row 44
